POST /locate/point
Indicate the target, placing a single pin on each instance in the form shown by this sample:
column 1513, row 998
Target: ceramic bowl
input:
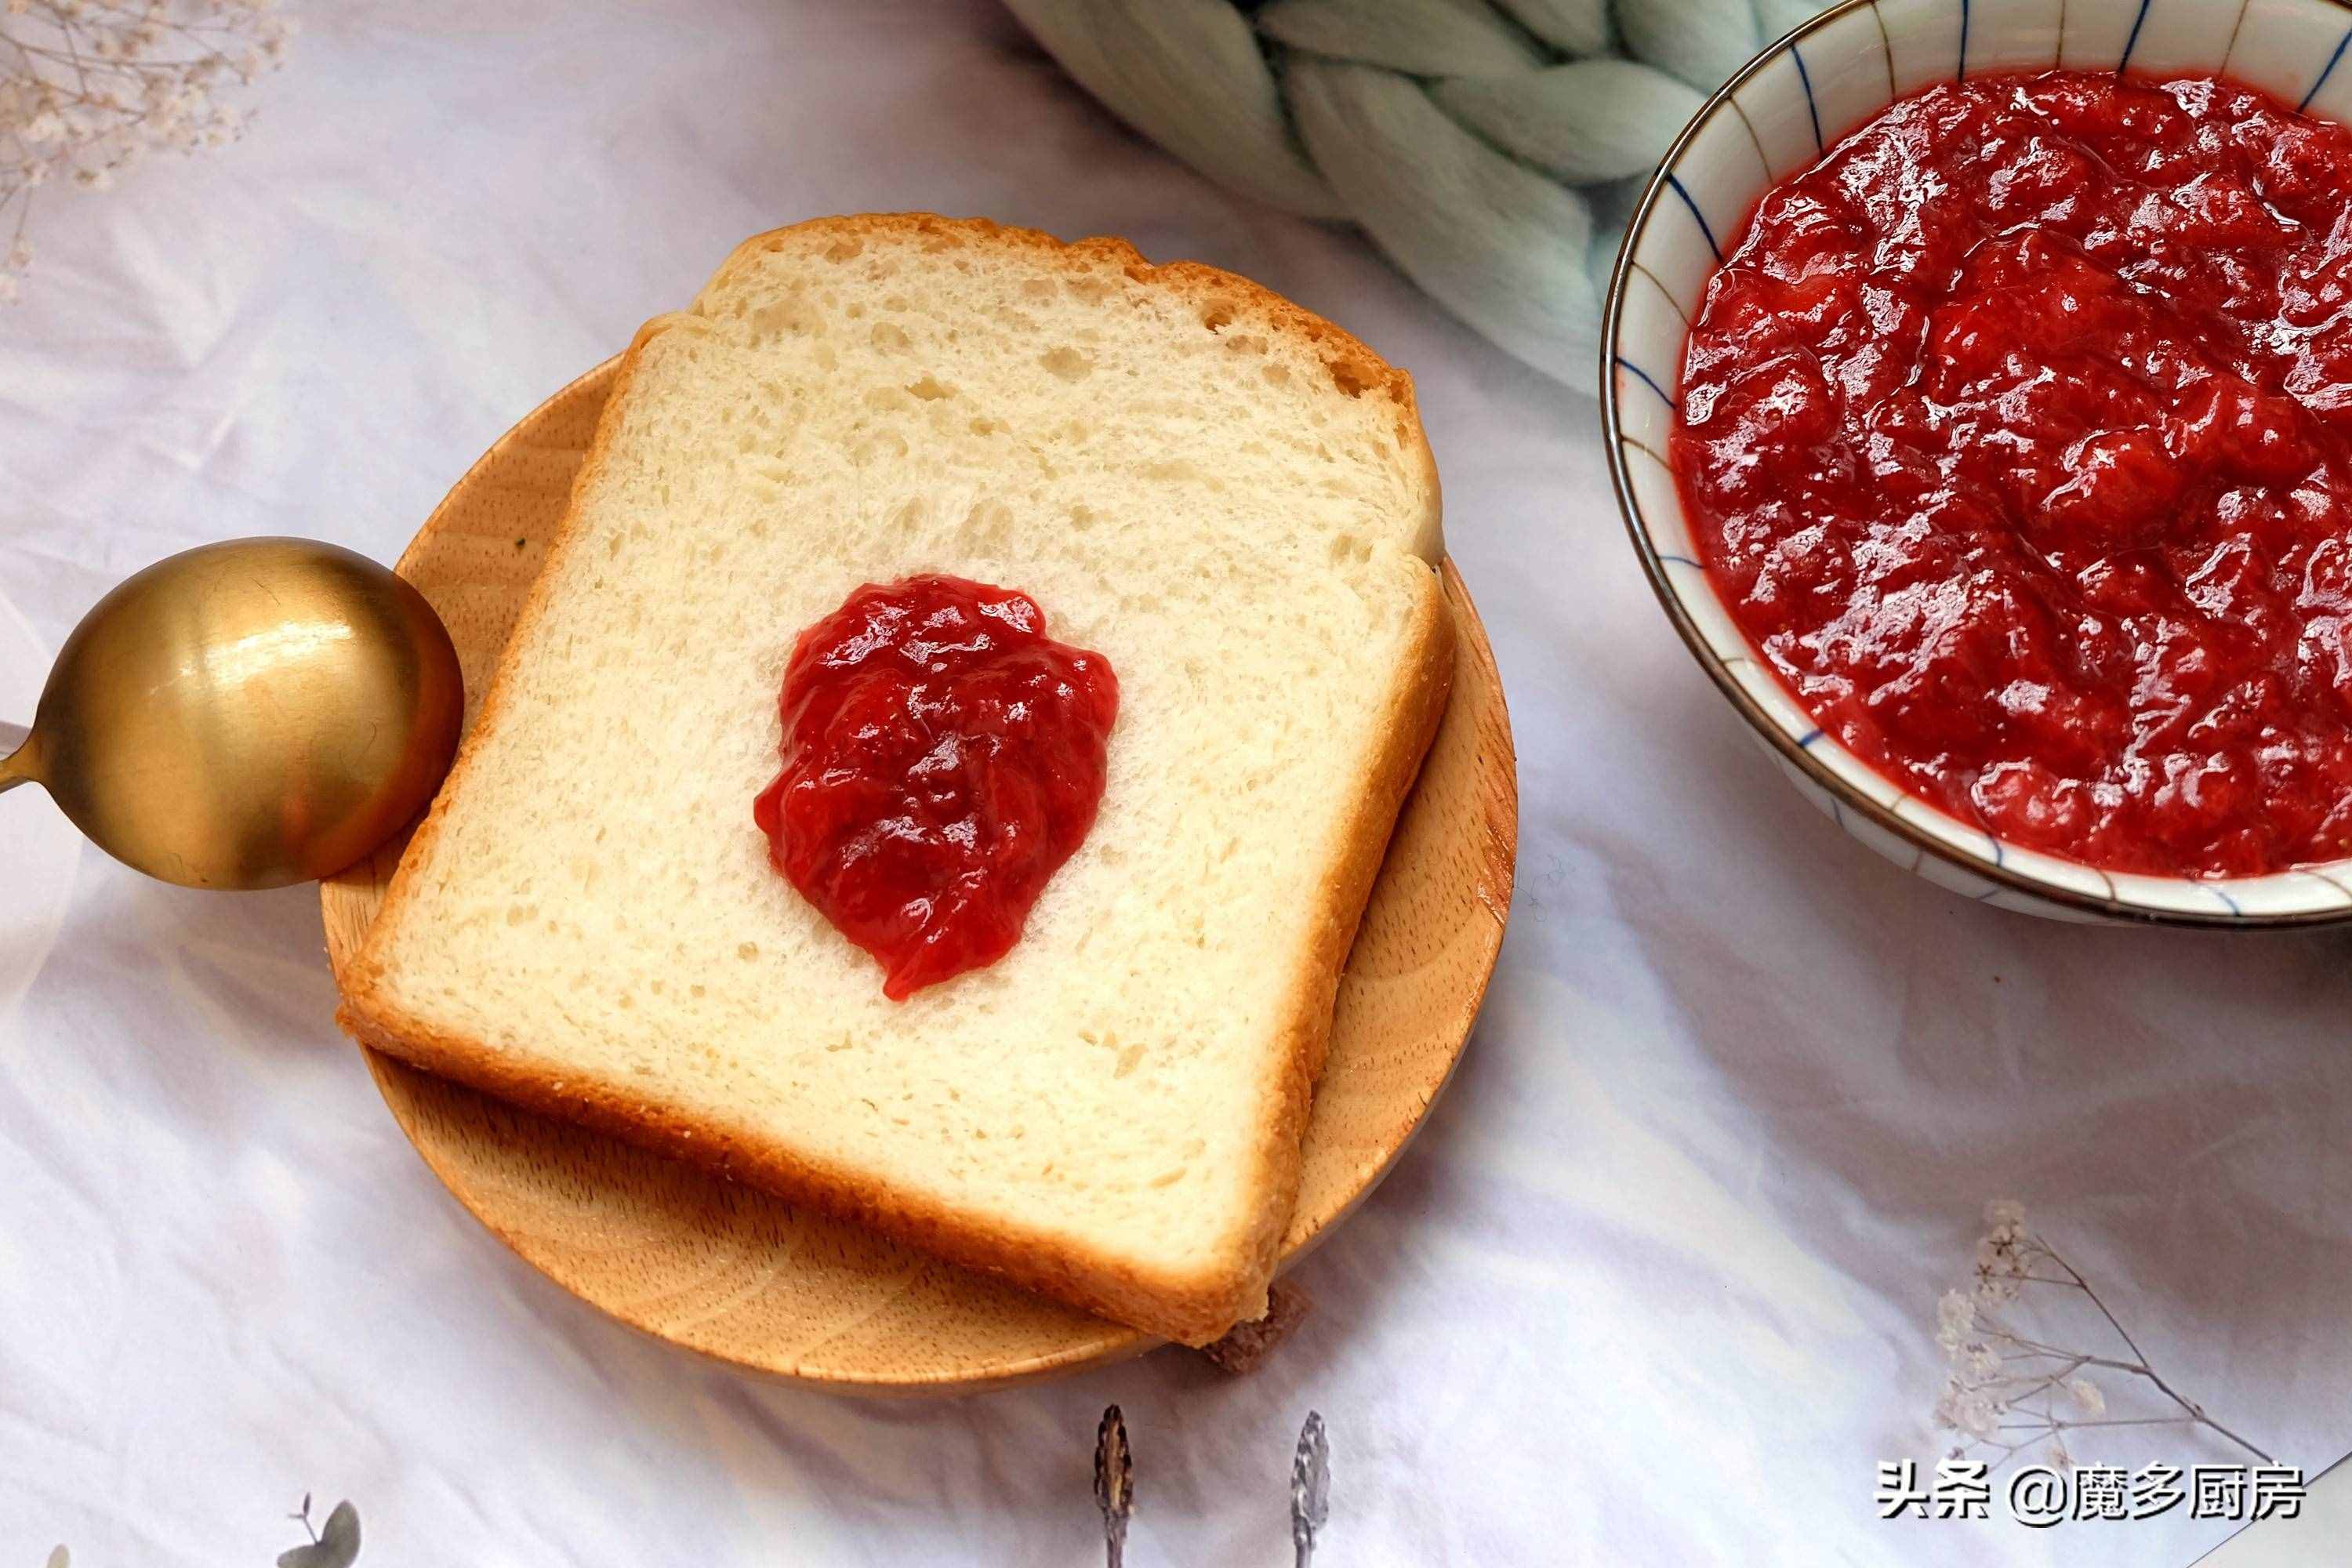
column 1777, row 116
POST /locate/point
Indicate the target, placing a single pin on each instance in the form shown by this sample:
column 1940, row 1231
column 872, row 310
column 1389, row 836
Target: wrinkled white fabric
column 1656, row 1285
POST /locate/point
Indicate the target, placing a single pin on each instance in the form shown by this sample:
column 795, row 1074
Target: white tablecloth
column 1657, row 1286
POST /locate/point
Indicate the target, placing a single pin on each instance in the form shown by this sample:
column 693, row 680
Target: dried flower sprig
column 2009, row 1390
column 90, row 87
column 335, row 1544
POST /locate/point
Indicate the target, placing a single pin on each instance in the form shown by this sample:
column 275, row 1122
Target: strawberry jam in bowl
column 1989, row 436
column 2018, row 436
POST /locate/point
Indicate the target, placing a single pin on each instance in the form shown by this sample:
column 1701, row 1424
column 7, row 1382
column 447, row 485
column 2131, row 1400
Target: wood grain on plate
column 752, row 1279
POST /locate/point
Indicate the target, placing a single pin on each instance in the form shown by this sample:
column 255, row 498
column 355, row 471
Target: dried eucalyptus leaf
column 342, row 1533
column 337, row 1546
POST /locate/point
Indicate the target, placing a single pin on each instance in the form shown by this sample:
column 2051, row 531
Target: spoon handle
column 1114, row 1484
column 15, row 766
column 1310, row 1488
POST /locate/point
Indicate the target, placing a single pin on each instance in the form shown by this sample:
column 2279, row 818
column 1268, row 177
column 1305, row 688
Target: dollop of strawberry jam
column 2017, row 435
column 942, row 756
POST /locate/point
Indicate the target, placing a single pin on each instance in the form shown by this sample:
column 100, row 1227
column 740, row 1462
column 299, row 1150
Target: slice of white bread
column 1228, row 497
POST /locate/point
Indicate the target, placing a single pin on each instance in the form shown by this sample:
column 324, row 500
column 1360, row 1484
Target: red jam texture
column 2017, row 435
column 942, row 756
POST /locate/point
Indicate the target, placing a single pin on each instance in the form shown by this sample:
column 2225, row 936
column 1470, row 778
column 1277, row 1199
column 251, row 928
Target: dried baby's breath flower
column 1955, row 1315
column 2008, row 1375
column 87, row 88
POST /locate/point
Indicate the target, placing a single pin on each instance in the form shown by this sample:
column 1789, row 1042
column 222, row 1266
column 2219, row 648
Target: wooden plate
column 749, row 1278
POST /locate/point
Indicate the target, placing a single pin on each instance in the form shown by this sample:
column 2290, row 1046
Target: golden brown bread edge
column 1193, row 1308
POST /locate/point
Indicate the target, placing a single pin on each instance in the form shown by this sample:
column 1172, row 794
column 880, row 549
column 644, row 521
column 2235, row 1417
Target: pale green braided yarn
column 1492, row 148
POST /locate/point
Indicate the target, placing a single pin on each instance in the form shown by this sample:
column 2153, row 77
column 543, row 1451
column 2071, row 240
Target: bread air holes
column 790, row 317
column 1067, row 363
column 1218, row 315
column 1349, row 377
column 931, row 389
column 889, row 338
column 1348, row 550
column 988, row 528
column 877, row 447
column 1181, row 470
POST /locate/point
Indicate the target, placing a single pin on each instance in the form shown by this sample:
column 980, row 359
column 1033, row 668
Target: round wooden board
column 751, row 1279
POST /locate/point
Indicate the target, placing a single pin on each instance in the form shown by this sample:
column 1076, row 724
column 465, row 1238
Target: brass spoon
column 247, row 715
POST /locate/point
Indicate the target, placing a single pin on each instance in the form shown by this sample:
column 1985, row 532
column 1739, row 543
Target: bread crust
column 1194, row 1308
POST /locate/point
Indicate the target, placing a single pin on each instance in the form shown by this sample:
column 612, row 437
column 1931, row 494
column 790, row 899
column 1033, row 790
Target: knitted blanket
column 1493, row 148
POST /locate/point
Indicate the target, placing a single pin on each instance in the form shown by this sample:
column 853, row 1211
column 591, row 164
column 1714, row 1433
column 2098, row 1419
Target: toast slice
column 1228, row 497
